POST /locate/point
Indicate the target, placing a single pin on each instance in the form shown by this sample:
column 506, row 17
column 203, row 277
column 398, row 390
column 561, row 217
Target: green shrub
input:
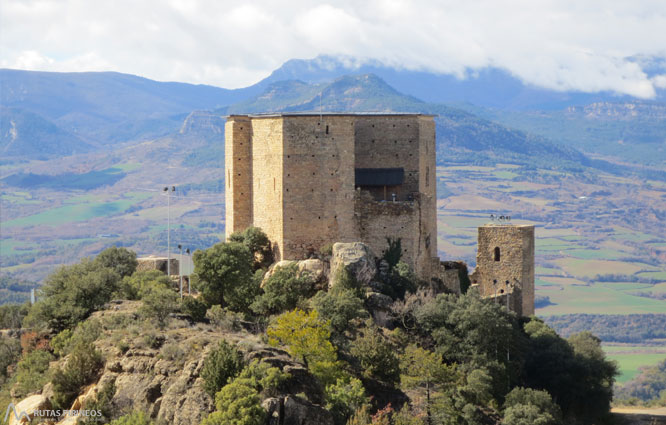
column 340, row 308
column 173, row 352
column 258, row 243
column 71, row 293
column 344, row 280
column 345, row 397
column 528, row 406
column 222, row 364
column 393, row 252
column 224, row 318
column 194, row 308
column 224, row 275
column 12, row 315
column 81, row 369
column 10, row 351
column 377, row 356
column 60, row 343
column 239, row 402
column 31, row 372
column 134, row 418
column 284, row 290
column 141, row 283
column 159, row 304
column 121, row 260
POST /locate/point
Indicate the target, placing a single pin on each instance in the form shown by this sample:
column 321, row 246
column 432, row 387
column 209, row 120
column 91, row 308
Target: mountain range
column 490, row 113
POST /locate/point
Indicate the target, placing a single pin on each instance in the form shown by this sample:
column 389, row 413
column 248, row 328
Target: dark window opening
column 326, row 129
column 384, row 184
column 496, row 255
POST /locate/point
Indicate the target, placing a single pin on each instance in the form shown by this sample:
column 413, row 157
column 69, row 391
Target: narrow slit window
column 496, row 253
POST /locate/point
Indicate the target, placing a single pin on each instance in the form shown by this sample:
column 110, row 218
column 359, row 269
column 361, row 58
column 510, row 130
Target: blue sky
column 582, row 44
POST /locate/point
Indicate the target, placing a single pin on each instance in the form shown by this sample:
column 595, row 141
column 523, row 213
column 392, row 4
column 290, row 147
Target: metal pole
column 168, row 232
column 180, row 270
column 187, row 251
column 173, row 189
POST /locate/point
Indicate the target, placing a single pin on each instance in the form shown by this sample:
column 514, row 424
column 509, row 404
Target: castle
column 308, row 180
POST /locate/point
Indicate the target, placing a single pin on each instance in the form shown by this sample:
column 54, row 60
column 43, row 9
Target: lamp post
column 189, row 292
column 168, row 192
column 180, row 270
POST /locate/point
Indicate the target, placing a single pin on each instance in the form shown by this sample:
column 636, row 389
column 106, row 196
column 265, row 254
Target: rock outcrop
column 356, row 258
column 293, row 410
column 314, row 267
column 25, row 410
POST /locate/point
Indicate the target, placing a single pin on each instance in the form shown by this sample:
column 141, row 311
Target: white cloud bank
column 561, row 44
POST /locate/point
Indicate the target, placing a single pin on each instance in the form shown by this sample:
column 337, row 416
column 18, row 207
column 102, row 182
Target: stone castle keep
column 309, row 180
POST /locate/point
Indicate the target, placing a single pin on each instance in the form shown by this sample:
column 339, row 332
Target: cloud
column 560, row 44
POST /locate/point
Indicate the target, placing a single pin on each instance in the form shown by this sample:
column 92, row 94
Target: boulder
column 314, row 267
column 356, row 258
column 273, row 267
column 25, row 409
column 298, row 411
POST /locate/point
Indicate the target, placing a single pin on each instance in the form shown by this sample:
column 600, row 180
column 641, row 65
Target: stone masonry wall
column 318, row 183
column 302, row 182
column 267, row 179
column 513, row 272
column 238, row 167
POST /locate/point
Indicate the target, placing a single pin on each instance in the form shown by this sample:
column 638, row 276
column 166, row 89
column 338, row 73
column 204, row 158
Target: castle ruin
column 505, row 266
column 309, row 180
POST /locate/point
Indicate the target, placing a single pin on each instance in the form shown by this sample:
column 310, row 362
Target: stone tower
column 505, row 265
column 309, row 180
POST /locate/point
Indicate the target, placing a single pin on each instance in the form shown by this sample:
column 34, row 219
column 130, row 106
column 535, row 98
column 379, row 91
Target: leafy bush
column 141, row 283
column 307, row 337
column 12, row 315
column 528, row 406
column 344, row 280
column 173, row 352
column 60, row 343
column 222, row 364
column 401, row 279
column 648, row 386
column 194, row 308
column 376, row 356
column 159, row 304
column 134, row 418
column 284, row 290
column 339, row 307
column 344, row 397
column 81, row 369
column 225, row 277
column 71, row 293
column 10, row 351
column 239, row 402
column 393, row 252
column 152, row 340
column 575, row 372
column 258, row 244
column 31, row 372
column 223, row 318
column 121, row 260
